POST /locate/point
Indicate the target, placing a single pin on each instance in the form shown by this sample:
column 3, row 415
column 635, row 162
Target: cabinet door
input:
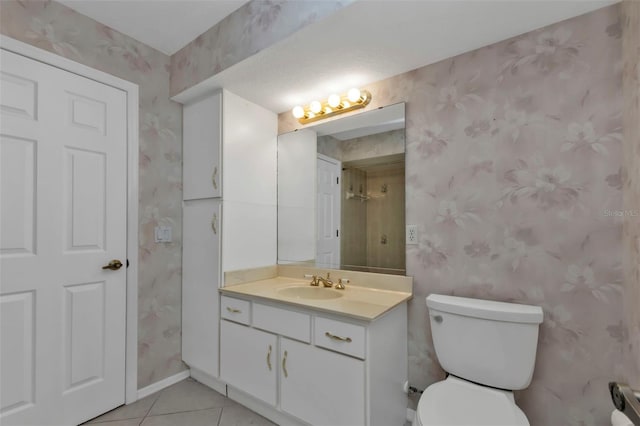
column 201, row 134
column 248, row 360
column 321, row 387
column 200, row 282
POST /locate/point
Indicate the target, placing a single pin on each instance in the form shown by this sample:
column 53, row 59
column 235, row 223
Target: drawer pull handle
column 269, row 358
column 214, row 224
column 334, row 337
column 284, row 365
column 234, row 310
column 214, row 177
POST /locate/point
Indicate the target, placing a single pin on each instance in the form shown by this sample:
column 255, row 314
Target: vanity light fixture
column 334, row 105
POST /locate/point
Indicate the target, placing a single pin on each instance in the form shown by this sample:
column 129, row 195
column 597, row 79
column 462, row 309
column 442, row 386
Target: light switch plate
column 412, row 235
column 163, row 234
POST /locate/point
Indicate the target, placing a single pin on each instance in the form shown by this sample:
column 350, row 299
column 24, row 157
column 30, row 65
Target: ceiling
column 365, row 42
column 166, row 25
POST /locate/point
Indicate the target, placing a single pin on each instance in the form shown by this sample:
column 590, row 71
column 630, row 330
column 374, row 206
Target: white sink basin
column 308, row 292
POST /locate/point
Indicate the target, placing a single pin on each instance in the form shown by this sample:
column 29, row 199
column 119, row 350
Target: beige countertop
column 356, row 301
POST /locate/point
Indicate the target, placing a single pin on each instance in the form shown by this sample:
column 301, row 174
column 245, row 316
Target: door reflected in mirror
column 341, row 193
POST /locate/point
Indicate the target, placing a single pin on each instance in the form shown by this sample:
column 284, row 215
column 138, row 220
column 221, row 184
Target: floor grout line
column 226, row 403
column 187, row 411
column 220, row 417
column 152, row 405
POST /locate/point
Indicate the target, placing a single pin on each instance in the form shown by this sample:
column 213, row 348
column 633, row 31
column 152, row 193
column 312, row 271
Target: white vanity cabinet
column 299, row 366
column 248, row 360
column 320, row 386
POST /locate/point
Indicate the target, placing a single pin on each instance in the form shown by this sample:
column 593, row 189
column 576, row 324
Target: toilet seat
column 456, row 401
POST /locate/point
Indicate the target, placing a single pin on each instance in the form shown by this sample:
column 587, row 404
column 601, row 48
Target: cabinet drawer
column 283, row 322
column 340, row 337
column 235, row 309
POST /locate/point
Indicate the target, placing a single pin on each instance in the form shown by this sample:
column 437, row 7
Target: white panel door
column 62, row 217
column 328, row 212
column 321, row 387
column 248, row 360
column 202, row 131
column 200, row 280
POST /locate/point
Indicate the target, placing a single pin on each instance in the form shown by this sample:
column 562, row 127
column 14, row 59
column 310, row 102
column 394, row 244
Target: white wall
column 297, row 196
column 249, row 159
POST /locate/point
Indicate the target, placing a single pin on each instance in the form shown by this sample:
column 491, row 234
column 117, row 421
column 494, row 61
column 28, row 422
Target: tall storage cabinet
column 201, row 152
column 200, row 282
column 229, row 211
column 201, row 222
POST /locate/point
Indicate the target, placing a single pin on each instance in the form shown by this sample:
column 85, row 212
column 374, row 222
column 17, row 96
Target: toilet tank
column 487, row 342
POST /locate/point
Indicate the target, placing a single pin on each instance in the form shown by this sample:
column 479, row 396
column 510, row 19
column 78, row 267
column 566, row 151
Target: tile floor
column 187, row 403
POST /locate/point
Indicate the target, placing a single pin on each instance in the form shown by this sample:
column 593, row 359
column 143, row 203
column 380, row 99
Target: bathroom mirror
column 341, row 193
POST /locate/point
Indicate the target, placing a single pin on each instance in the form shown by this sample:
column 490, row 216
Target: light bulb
column 315, row 107
column 346, row 104
column 327, row 110
column 333, row 101
column 298, row 111
column 353, row 95
column 310, row 115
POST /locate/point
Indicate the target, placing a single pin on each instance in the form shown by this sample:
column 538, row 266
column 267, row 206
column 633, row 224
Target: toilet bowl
column 455, row 401
column 489, row 349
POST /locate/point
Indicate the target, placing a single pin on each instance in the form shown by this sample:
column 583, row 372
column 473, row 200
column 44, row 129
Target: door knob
column 114, row 265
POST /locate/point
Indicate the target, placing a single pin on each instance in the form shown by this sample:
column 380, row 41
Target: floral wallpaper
column 250, row 29
column 631, row 189
column 56, row 28
column 514, row 155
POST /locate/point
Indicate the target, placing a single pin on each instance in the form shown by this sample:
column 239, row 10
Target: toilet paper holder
column 626, row 400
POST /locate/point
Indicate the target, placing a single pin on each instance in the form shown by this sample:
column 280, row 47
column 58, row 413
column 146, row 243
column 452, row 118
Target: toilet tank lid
column 486, row 309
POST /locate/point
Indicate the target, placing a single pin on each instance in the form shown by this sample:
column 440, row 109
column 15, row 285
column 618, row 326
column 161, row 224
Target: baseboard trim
column 208, row 380
column 161, row 384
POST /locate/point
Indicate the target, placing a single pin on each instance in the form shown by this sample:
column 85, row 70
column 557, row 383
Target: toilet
column 488, row 350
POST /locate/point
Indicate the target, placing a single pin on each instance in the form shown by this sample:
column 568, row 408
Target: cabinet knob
column 269, row 358
column 234, row 310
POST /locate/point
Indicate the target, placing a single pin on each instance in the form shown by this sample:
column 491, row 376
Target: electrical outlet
column 412, row 235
